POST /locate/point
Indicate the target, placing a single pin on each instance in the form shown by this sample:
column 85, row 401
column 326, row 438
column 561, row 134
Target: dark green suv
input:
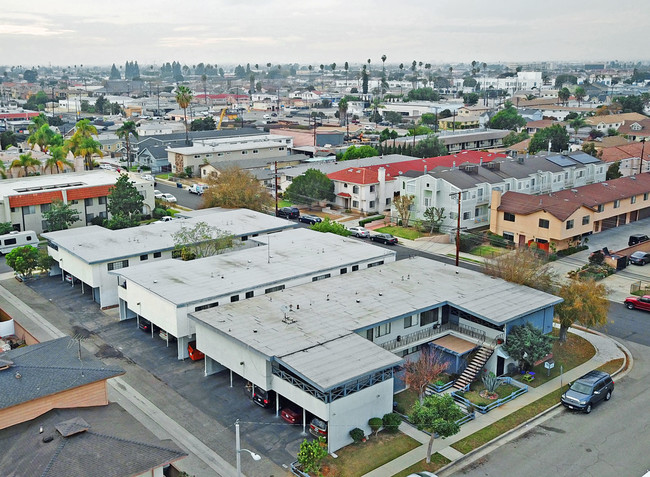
column 588, row 390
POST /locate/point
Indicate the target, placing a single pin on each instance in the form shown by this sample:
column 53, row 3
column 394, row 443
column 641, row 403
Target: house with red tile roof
column 629, row 157
column 562, row 219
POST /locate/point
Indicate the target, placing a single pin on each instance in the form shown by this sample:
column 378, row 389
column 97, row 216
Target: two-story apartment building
column 532, row 175
column 332, row 347
column 565, row 218
column 478, row 139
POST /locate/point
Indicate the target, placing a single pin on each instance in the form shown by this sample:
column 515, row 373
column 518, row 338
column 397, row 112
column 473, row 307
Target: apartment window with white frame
column 382, row 330
column 29, row 210
column 410, row 321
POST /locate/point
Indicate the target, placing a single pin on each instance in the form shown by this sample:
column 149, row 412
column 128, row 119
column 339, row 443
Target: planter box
column 498, row 402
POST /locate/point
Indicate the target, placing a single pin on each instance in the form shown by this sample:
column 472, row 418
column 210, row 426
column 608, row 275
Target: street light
column 255, row 456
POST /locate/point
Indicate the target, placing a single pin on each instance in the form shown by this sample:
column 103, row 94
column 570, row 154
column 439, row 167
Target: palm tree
column 346, row 67
column 25, row 162
column 204, row 78
column 3, row 170
column 343, row 111
column 88, row 147
column 383, row 62
column 184, row 98
column 579, row 94
column 563, row 95
column 37, row 122
column 41, row 137
column 84, row 131
column 58, row 159
column 127, row 130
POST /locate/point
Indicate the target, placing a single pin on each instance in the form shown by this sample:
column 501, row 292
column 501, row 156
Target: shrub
column 97, row 220
column 375, row 424
column 159, row 212
column 392, row 421
column 497, row 241
column 491, row 382
column 371, row 219
column 357, row 435
column 597, row 258
column 571, row 250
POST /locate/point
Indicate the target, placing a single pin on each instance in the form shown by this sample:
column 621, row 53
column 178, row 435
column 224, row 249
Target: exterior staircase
column 474, row 367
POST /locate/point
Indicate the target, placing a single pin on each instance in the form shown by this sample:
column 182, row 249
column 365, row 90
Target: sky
column 100, row 32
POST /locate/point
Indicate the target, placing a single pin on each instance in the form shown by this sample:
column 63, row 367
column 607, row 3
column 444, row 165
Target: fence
column 523, row 388
column 640, row 286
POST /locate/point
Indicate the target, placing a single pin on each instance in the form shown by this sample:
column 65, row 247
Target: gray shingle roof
column 47, row 368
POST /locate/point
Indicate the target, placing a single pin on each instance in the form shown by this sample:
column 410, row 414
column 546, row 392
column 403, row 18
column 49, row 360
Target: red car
column 640, row 302
column 291, row 416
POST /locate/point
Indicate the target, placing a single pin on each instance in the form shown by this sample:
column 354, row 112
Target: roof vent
column 72, row 426
column 605, row 184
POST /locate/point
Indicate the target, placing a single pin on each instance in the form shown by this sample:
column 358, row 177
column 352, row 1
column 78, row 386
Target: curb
column 628, row 361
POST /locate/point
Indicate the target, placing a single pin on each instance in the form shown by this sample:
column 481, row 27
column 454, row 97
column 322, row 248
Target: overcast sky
column 94, row 32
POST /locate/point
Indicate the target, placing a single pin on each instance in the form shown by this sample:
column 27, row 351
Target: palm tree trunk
column 187, row 138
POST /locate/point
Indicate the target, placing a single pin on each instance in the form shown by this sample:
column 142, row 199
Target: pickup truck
column 197, row 189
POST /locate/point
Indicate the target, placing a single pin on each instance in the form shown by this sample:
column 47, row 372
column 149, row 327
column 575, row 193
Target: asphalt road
column 629, row 325
column 184, row 198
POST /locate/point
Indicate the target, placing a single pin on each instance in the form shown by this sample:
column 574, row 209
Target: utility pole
column 457, row 225
column 642, row 151
column 276, row 187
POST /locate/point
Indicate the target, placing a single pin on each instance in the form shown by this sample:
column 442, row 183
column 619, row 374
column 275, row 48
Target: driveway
column 269, row 435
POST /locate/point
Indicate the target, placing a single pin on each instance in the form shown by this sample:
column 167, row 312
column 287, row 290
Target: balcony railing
column 404, row 341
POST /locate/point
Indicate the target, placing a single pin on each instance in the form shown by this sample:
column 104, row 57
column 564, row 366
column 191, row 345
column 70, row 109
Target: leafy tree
column 311, row 455
column 556, row 134
column 563, row 95
column 590, row 148
column 585, row 302
column 630, row 104
column 431, row 146
column 576, row 124
column 437, row 415
column 330, row 226
column 5, row 228
column 201, row 240
column 60, row 216
column 23, row 260
column 205, row 124
column 469, row 82
column 514, row 138
column 434, row 216
column 522, row 266
column 423, row 94
column 527, row 344
column 418, row 374
column 312, row 186
column 25, row 162
column 184, row 98
column 36, row 102
column 470, row 99
column 87, row 148
column 8, row 138
column 30, row 75
column 561, row 80
column 125, row 132
column 614, row 171
column 375, row 424
column 507, row 118
column 394, row 117
column 579, row 93
column 235, row 188
column 354, row 152
column 124, row 204
column 419, row 131
column 115, row 74
column 403, row 205
column 391, row 422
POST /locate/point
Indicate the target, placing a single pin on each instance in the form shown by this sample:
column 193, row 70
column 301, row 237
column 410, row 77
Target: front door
column 522, row 240
column 501, row 362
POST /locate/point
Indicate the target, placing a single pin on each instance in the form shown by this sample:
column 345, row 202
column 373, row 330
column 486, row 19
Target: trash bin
column 179, row 185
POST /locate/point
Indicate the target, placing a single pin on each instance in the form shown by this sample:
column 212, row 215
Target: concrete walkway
column 606, row 350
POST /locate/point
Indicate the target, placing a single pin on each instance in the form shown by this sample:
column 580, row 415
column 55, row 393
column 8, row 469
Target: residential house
column 628, row 157
column 460, row 122
column 439, row 187
column 562, row 219
column 613, row 121
column 464, row 140
column 636, row 130
column 334, row 347
column 23, row 201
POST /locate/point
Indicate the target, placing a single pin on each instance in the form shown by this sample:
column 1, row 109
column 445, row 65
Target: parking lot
column 270, row 435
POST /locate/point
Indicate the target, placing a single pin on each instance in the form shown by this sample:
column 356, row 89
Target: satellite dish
column 284, row 309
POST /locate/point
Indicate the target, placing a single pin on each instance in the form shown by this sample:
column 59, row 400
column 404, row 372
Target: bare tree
column 522, row 266
column 403, row 205
column 418, row 374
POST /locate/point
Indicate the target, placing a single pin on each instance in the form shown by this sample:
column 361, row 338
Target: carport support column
column 304, row 418
column 182, row 347
column 213, row 367
column 277, row 404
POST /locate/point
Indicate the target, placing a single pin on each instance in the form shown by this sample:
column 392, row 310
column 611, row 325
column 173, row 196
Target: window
column 197, row 156
column 382, row 330
column 10, row 241
column 345, row 186
column 633, row 199
column 157, row 254
column 585, row 220
column 428, row 317
column 543, row 223
column 118, row 265
column 355, row 189
column 29, row 210
column 250, row 294
column 355, row 268
column 144, row 257
column 645, row 196
column 375, row 264
column 45, row 208
column 355, row 204
column 344, row 271
column 569, row 224
column 617, row 204
column 274, row 289
column 509, row 236
column 281, row 149
column 321, row 277
column 410, row 321
column 601, row 208
column 372, row 188
column 256, row 151
column 388, row 201
column 88, row 202
column 234, row 298
column 244, row 153
column 103, row 215
column 508, row 217
column 89, row 218
column 371, row 204
column 205, row 307
column 102, row 200
column 466, row 215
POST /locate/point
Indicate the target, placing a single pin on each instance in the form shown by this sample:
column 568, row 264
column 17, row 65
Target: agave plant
column 491, row 382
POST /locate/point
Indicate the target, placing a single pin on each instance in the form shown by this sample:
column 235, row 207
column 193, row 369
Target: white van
column 12, row 240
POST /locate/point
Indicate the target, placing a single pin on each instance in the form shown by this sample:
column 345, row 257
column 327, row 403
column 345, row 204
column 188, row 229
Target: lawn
column 405, row 400
column 488, row 251
column 612, row 366
column 437, row 461
column 509, row 422
column 477, row 386
column 403, row 232
column 574, row 352
column 359, row 459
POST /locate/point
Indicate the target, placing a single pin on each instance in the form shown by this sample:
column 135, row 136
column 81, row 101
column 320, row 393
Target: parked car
column 640, row 302
column 291, row 415
column 263, row 398
column 195, row 354
column 318, row 427
column 590, row 389
column 310, row 219
column 157, row 194
column 266, row 116
column 165, row 336
column 289, row 212
column 275, row 115
column 368, row 127
column 637, row 238
column 144, row 325
column 639, row 258
column 147, row 177
column 168, row 197
column 388, row 239
column 359, row 232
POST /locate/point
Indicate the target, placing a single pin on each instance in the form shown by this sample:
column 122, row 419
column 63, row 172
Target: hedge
column 371, row 219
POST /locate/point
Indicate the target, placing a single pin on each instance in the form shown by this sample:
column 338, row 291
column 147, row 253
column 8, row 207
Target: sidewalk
column 606, row 350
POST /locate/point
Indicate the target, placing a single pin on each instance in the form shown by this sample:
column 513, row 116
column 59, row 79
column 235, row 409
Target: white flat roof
column 293, row 254
column 50, row 182
column 94, row 244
